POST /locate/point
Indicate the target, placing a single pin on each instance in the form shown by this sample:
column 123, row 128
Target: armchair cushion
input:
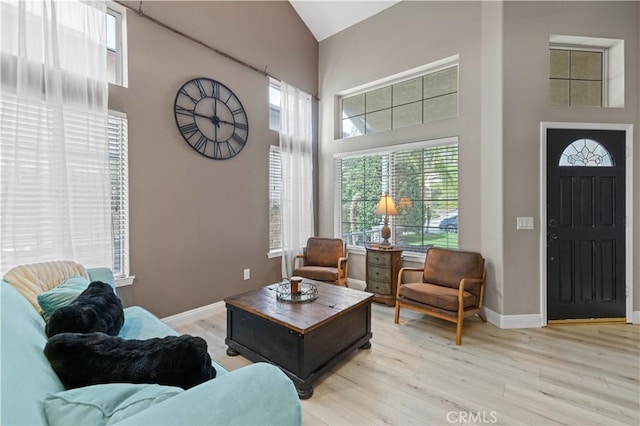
column 444, row 269
column 324, row 251
column 436, row 295
column 318, row 273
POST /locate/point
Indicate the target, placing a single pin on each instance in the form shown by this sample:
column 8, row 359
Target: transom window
column 429, row 97
column 422, row 179
column 575, row 77
column 586, row 71
column 586, row 152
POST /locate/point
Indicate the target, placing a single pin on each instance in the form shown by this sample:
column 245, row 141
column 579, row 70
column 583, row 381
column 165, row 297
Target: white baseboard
column 357, row 284
column 635, row 317
column 194, row 314
column 513, row 321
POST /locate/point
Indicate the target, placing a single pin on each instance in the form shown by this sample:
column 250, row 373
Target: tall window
column 119, row 171
column 275, row 198
column 429, row 97
column 117, row 44
column 423, row 181
column 274, row 105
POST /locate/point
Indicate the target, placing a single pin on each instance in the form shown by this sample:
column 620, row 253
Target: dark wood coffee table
column 303, row 339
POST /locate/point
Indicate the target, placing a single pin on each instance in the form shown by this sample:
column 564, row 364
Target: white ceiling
column 325, row 18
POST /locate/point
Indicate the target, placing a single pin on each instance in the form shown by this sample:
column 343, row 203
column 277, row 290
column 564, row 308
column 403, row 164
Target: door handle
column 552, row 237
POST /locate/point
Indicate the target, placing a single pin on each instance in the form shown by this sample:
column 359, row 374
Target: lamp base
column 385, row 233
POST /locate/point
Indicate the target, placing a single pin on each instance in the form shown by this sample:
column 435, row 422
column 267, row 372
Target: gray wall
column 404, row 36
column 503, row 52
column 197, row 223
column 527, row 26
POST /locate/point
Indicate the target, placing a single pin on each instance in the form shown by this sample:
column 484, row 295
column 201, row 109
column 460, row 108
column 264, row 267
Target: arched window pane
column 586, row 153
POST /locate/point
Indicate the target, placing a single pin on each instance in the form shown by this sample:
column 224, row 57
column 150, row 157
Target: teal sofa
column 32, row 394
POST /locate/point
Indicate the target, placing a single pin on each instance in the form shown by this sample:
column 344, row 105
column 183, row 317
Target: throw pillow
column 104, row 404
column 95, row 309
column 94, row 358
column 61, row 295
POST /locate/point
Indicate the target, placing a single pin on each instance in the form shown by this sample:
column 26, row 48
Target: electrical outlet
column 247, row 274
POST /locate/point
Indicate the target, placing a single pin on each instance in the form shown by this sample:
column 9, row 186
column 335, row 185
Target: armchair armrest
column 257, row 394
column 401, row 273
column 465, row 283
column 296, row 261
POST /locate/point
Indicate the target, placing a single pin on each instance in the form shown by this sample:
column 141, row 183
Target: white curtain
column 297, row 173
column 54, row 178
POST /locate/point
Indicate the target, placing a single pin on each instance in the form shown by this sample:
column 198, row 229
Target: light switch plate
column 524, row 223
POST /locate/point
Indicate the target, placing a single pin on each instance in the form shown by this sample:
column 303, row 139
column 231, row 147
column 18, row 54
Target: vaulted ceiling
column 326, row 18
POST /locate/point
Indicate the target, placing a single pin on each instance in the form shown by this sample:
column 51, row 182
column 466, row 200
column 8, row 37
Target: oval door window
column 585, row 153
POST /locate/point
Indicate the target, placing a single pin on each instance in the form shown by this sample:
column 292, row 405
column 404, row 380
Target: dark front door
column 585, row 224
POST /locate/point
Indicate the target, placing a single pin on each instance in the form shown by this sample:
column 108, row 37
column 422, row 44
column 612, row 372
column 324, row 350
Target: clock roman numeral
column 217, row 152
column 201, row 145
column 201, row 89
column 189, row 129
column 184, row 111
column 232, row 151
column 237, row 111
column 186, row 93
column 238, row 139
column 216, row 90
column 242, row 126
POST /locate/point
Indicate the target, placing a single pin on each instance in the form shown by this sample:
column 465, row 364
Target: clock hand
column 226, row 122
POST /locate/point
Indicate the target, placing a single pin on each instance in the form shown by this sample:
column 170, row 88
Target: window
column 585, row 153
column 275, row 197
column 116, row 44
column 429, row 97
column 422, row 178
column 274, row 105
column 119, row 170
column 575, row 77
column 586, row 71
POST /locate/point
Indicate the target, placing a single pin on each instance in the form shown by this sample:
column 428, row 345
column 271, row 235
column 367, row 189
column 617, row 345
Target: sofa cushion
column 62, row 295
column 83, row 359
column 31, row 280
column 436, row 295
column 104, row 404
column 26, row 374
column 95, row 309
column 447, row 267
column 318, row 273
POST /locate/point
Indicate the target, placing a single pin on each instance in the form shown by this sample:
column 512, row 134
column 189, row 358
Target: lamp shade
column 386, row 206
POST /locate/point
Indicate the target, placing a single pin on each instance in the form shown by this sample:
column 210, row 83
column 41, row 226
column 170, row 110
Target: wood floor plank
column 415, row 374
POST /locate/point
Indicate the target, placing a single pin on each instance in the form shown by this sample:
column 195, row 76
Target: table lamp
column 386, row 208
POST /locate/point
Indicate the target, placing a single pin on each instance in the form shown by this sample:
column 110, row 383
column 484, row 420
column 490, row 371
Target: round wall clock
column 211, row 118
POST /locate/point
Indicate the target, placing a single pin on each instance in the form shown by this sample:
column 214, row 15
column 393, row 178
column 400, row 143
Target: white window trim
column 122, row 64
column 337, row 201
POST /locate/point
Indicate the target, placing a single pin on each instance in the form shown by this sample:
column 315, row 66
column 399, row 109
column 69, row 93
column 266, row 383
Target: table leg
column 304, row 391
column 366, row 345
column 232, row 352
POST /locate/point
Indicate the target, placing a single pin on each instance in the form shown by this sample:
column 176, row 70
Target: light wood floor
column 415, row 374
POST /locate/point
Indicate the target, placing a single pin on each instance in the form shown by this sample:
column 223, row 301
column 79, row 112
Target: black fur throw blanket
column 96, row 358
column 96, row 309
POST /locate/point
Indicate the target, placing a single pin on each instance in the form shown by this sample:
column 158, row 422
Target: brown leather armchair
column 324, row 259
column 452, row 287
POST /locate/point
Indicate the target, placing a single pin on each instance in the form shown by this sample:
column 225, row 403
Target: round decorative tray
column 308, row 292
